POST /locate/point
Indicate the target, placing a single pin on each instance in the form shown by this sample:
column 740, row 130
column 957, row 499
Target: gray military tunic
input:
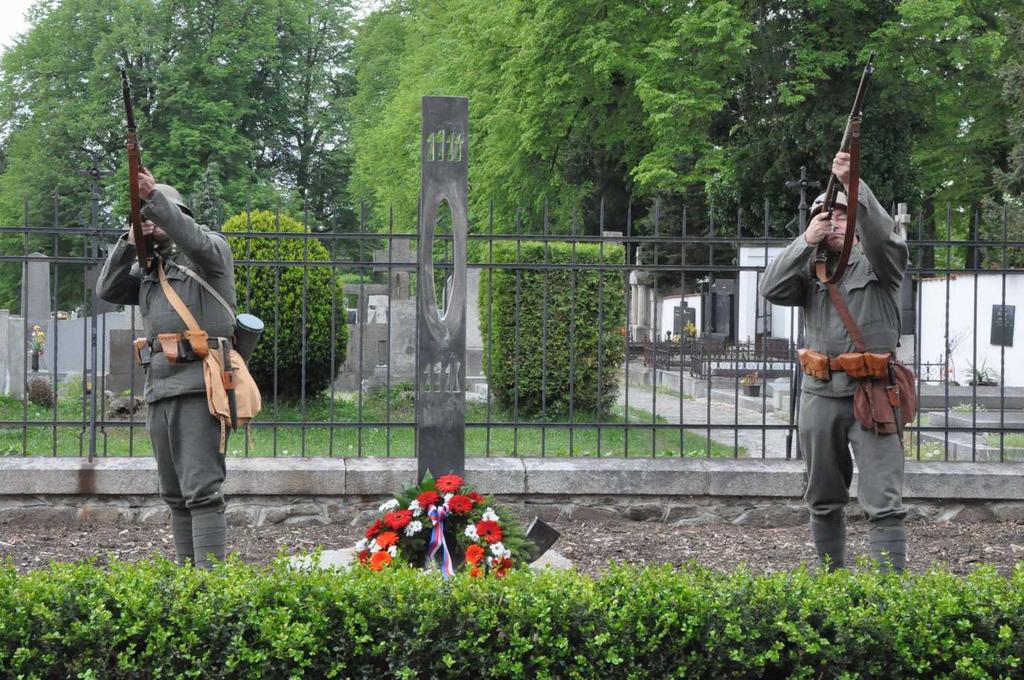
column 186, row 438
column 871, row 289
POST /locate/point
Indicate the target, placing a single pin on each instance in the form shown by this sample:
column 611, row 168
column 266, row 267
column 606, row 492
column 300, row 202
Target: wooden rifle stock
column 134, row 167
column 850, row 144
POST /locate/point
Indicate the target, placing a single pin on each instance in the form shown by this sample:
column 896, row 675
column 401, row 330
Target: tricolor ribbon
column 437, row 516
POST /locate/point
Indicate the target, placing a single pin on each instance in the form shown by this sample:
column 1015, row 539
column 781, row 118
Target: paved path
column 695, row 413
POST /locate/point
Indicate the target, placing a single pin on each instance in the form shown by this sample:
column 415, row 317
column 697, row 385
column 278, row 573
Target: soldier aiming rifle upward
column 854, row 392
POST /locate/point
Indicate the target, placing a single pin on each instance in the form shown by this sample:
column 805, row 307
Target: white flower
column 448, row 497
column 393, row 550
column 362, row 544
column 489, row 514
column 413, row 528
column 416, row 509
column 389, row 506
column 471, row 532
column 499, row 551
column 375, row 547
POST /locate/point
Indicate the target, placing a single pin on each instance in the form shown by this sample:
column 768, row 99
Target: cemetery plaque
column 1002, row 325
column 441, row 334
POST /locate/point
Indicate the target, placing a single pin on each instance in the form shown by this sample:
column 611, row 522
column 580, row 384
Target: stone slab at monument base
column 347, row 492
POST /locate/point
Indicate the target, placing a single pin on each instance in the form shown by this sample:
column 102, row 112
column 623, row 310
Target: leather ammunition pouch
column 814, row 364
column 143, row 351
column 187, row 346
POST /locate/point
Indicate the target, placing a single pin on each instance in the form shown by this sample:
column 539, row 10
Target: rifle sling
column 179, row 306
column 844, row 314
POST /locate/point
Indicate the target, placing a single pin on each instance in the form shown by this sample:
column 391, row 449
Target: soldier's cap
column 174, row 197
column 840, row 200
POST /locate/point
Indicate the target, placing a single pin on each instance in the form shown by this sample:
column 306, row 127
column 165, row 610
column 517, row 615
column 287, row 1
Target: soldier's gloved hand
column 818, row 229
column 841, row 168
column 147, row 230
column 146, row 183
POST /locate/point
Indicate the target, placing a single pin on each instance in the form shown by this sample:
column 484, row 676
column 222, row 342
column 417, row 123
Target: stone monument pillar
column 441, row 338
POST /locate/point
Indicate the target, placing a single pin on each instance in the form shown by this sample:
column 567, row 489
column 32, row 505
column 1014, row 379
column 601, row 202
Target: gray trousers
column 186, row 442
column 827, row 432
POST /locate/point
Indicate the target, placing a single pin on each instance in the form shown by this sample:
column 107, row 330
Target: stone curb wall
column 301, row 491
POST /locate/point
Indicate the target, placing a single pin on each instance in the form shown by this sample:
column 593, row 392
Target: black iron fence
column 639, row 339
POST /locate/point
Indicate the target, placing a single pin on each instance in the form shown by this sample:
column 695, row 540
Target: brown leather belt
column 855, row 364
column 155, row 346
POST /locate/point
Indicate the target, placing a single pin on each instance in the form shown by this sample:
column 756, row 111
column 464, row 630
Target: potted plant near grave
column 751, row 383
column 983, row 376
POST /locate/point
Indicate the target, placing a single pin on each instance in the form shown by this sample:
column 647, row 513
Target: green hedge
column 153, row 620
column 571, row 354
column 258, row 282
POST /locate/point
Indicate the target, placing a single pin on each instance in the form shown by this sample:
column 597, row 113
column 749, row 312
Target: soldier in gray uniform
column 827, row 427
column 186, row 438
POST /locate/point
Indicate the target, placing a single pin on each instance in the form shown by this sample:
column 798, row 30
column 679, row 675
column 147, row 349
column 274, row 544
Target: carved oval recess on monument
column 441, row 248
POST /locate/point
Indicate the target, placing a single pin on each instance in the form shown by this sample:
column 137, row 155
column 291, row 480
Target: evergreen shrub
column 275, row 295
column 154, row 620
column 555, row 351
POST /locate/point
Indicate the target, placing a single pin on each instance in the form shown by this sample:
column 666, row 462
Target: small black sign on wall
column 1002, row 325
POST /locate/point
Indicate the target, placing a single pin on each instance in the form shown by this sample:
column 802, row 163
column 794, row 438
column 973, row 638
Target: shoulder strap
column 209, row 289
column 844, row 313
column 180, row 307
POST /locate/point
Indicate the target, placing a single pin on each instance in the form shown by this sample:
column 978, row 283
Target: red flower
column 374, row 529
column 428, row 498
column 387, row 539
column 380, row 560
column 460, row 503
column 475, row 497
column 398, row 519
column 449, row 483
column 501, row 568
column 364, row 556
column 488, row 530
column 475, row 572
column 474, row 554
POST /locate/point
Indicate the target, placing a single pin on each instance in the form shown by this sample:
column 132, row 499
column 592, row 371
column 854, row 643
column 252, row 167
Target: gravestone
column 124, row 374
column 474, row 337
column 35, row 291
column 719, row 307
column 683, row 315
column 441, row 334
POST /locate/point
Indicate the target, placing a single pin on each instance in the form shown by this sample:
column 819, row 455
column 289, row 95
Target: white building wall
column 967, row 325
column 783, row 318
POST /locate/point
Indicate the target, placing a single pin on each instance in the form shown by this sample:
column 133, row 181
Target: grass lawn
column 280, row 431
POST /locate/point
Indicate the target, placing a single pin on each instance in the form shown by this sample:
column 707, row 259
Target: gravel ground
column 590, row 545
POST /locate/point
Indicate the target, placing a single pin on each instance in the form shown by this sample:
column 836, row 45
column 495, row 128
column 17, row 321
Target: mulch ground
column 591, row 545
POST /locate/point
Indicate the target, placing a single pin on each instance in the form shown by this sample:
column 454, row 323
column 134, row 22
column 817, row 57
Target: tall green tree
column 569, row 101
column 252, row 90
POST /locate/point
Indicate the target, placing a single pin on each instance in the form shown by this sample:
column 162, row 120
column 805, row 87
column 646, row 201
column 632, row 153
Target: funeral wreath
column 443, row 523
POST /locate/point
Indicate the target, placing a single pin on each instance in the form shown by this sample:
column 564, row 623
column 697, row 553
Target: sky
column 12, row 20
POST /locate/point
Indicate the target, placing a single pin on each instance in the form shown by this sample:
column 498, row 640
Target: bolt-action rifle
column 851, row 145
column 134, row 167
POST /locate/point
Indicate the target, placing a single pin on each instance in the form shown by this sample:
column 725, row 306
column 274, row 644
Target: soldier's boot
column 889, row 545
column 181, row 529
column 829, row 533
column 209, row 530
